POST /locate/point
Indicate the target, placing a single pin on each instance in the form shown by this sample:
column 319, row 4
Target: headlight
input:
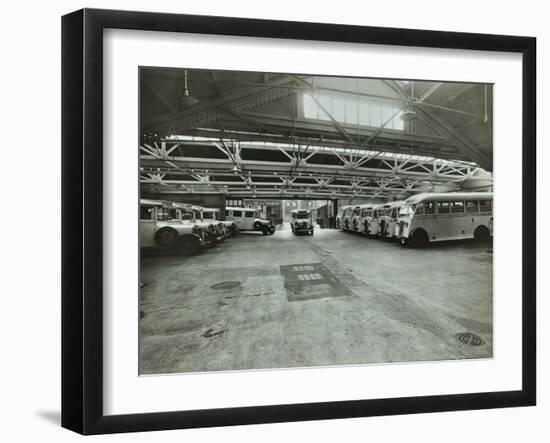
column 196, row 230
column 211, row 228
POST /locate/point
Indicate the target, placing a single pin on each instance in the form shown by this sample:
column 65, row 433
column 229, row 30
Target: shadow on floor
column 53, row 417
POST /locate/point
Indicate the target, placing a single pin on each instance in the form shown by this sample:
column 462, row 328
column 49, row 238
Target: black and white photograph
column 295, row 220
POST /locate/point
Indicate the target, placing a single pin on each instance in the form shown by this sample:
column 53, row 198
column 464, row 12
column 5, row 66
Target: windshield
column 302, row 215
column 163, row 214
column 406, row 210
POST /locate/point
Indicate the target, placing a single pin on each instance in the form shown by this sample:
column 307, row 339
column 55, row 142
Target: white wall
column 30, row 314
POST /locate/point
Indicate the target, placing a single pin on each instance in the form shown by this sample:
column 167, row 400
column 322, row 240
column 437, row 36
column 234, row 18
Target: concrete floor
column 346, row 300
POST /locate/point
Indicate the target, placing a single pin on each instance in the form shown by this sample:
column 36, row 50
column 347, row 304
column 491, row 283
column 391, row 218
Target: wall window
column 353, row 110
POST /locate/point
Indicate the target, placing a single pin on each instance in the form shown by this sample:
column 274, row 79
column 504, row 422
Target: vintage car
column 159, row 228
column 247, row 219
column 188, row 213
column 213, row 214
column 199, row 217
column 301, row 222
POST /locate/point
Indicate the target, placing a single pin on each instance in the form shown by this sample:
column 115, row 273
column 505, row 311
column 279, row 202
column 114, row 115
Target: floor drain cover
column 226, row 285
column 467, row 338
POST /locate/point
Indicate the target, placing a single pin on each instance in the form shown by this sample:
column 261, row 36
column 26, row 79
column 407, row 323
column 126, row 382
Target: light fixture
column 408, row 114
column 186, row 99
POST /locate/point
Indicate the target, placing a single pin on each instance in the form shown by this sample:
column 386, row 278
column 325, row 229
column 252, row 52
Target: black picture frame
column 82, row 239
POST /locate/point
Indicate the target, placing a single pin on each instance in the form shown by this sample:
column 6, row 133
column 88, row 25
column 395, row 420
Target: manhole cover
column 468, row 338
column 226, row 285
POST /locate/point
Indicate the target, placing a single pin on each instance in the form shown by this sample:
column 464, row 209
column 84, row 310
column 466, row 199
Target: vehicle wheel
column 271, row 231
column 166, row 237
column 265, row 231
column 257, row 226
column 481, row 234
column 419, row 239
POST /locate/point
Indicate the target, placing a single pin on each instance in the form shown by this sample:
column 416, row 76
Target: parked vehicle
column 365, row 214
column 211, row 214
column 191, row 214
column 339, row 217
column 387, row 218
column 247, row 219
column 347, row 214
column 355, row 219
column 158, row 228
column 431, row 217
column 300, row 221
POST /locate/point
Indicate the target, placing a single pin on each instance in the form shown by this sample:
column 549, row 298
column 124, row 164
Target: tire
column 419, row 239
column 481, row 234
column 166, row 237
column 271, row 230
column 265, row 231
column 257, row 226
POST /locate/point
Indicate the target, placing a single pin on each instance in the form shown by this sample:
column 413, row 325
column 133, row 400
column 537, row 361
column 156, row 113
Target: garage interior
column 278, row 142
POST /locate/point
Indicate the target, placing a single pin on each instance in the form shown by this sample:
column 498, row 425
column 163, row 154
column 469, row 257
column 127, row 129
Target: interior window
column 237, row 213
column 471, row 206
column 443, row 207
column 429, row 207
column 457, row 207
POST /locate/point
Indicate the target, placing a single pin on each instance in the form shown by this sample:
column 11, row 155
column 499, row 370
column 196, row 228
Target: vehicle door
column 459, row 220
column 237, row 217
column 425, row 216
column 147, row 226
column 248, row 219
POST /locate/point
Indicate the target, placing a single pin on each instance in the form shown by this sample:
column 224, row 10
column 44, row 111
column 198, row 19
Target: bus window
column 429, row 207
column 443, row 207
column 249, row 214
column 419, row 209
column 485, row 205
column 471, row 206
column 457, row 207
column 146, row 213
